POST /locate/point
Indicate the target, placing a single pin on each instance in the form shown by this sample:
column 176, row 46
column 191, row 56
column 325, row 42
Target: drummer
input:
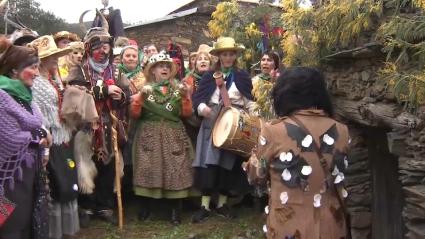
column 219, row 171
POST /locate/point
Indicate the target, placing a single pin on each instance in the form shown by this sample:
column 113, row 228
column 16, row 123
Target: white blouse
column 236, row 98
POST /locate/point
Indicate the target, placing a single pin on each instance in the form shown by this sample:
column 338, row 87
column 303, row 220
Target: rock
column 361, row 234
column 361, row 220
column 357, row 179
column 193, row 236
column 182, row 40
column 396, row 143
column 365, row 76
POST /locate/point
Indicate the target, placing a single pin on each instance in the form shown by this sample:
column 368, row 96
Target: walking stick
column 114, row 134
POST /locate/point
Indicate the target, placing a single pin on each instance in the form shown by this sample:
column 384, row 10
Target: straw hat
column 46, row 46
column 158, row 58
column 66, row 35
column 76, row 45
column 226, row 44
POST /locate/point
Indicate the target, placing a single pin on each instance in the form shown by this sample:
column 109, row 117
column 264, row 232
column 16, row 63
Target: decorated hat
column 226, row 44
column 76, row 45
column 158, row 58
column 46, row 46
column 95, row 36
column 66, row 35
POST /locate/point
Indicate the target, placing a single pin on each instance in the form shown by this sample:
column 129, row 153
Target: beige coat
column 305, row 208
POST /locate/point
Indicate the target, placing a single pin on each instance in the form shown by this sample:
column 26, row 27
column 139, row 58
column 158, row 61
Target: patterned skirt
column 162, row 158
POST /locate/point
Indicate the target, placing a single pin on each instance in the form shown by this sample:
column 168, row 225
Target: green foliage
column 313, row 33
column 36, row 18
column 243, row 24
column 403, row 36
column 407, row 85
column 316, row 32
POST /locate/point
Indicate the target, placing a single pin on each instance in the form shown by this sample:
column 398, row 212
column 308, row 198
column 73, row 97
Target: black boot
column 176, row 217
column 201, row 215
column 176, row 208
column 84, row 217
column 145, row 211
column 144, row 214
column 107, row 215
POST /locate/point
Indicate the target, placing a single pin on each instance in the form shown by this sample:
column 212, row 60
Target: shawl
column 15, row 88
column 158, row 105
column 47, row 99
column 207, row 86
column 15, row 135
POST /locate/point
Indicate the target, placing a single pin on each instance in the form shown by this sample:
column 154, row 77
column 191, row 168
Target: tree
column 34, row 17
column 257, row 27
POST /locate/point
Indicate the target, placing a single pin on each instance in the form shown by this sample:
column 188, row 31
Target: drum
column 236, row 131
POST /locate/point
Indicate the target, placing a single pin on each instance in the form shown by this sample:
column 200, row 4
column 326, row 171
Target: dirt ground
column 247, row 225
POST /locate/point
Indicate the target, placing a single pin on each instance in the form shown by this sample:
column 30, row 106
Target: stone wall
column 386, row 176
column 188, row 31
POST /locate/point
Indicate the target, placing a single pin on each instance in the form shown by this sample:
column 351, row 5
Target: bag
column 63, row 179
column 6, row 209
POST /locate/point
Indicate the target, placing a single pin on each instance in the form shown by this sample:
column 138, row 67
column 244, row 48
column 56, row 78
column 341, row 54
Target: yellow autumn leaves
column 222, row 18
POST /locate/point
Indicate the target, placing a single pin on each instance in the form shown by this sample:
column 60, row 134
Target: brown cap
column 15, row 57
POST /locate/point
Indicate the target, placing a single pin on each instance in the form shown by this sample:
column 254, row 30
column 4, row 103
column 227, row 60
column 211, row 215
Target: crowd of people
column 66, row 103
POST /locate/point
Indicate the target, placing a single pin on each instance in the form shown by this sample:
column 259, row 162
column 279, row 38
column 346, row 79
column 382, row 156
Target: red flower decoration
column 109, row 82
column 278, row 31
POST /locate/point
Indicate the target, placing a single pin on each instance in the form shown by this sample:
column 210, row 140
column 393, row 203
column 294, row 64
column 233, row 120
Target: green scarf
column 263, row 76
column 15, row 88
column 130, row 74
column 196, row 75
column 226, row 71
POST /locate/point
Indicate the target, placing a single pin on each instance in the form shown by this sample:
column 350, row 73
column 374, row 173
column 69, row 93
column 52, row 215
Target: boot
column 176, row 217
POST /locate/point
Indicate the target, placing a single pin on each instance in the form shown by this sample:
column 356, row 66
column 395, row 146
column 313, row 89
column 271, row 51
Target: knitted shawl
column 46, row 98
column 15, row 137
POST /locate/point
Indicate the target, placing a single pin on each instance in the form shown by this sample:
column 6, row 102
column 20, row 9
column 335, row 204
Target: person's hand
column 274, row 74
column 45, row 160
column 207, row 112
column 185, row 89
column 115, row 92
column 147, row 89
column 47, row 141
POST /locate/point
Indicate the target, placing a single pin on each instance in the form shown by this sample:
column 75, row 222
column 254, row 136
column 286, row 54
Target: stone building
column 385, row 179
column 186, row 25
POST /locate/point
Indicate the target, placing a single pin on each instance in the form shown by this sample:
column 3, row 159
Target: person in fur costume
column 99, row 77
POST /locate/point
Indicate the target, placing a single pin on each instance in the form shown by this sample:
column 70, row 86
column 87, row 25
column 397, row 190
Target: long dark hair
column 275, row 56
column 300, row 88
column 217, row 65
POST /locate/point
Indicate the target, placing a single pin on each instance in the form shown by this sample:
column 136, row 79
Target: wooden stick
column 114, row 134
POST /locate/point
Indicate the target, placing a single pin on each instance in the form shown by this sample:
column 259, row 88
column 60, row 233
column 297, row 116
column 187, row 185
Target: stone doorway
column 387, row 197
